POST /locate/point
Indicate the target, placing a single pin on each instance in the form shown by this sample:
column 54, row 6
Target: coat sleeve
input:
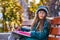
column 41, row 34
column 25, row 29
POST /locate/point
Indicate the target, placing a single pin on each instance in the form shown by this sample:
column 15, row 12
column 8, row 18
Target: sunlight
column 37, row 1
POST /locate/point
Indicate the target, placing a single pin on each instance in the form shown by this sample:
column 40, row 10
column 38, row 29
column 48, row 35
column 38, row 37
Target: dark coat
column 40, row 35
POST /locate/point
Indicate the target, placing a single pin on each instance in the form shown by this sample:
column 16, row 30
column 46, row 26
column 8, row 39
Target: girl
column 40, row 26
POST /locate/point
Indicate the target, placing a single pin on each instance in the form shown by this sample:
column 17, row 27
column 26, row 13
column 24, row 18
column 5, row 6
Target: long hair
column 40, row 23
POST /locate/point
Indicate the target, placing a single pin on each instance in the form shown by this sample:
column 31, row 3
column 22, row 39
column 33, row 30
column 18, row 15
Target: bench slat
column 53, row 38
column 55, row 31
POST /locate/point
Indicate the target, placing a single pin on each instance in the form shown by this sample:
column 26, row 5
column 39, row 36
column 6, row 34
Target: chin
column 41, row 18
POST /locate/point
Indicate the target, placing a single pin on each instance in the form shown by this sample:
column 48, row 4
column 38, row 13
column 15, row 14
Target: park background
column 14, row 12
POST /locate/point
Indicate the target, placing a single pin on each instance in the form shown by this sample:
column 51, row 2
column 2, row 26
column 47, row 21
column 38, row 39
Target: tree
column 11, row 9
column 53, row 6
column 25, row 7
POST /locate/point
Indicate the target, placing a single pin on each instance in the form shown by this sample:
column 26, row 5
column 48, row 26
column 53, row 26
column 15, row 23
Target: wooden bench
column 55, row 29
column 27, row 23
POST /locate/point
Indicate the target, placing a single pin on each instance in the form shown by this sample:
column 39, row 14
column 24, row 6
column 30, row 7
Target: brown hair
column 40, row 23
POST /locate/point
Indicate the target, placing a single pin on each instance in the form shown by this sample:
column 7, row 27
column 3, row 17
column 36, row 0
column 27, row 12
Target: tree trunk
column 25, row 7
column 53, row 11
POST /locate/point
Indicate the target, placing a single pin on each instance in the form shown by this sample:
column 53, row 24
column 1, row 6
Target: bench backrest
column 27, row 23
column 55, row 29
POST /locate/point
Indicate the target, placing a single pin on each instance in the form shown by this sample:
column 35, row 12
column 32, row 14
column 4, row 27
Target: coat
column 40, row 35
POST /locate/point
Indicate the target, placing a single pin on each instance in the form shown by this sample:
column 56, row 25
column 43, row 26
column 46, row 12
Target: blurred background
column 14, row 12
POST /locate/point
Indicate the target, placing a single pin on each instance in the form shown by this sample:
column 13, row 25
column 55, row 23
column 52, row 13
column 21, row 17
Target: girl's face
column 41, row 14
